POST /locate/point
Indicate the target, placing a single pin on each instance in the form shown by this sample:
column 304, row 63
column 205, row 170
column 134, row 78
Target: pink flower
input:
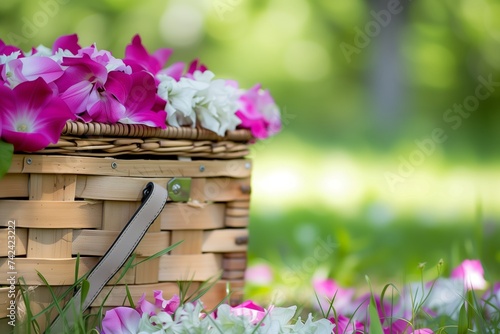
column 32, row 116
column 7, row 50
column 260, row 274
column 249, row 309
column 422, row 331
column 328, row 290
column 139, row 102
column 121, row 320
column 193, row 67
column 31, row 68
column 259, row 113
column 160, row 305
column 472, row 273
column 344, row 325
column 67, row 42
column 168, row 306
column 138, row 58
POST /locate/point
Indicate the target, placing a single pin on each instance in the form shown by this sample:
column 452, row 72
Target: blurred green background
column 389, row 149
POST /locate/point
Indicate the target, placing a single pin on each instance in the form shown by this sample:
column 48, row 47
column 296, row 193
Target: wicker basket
column 75, row 196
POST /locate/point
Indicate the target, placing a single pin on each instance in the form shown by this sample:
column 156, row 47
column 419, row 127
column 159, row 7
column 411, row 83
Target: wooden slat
column 57, row 164
column 97, row 242
column 147, row 271
column 192, row 241
column 14, row 185
column 189, row 267
column 220, row 189
column 224, row 241
column 21, row 241
column 130, row 188
column 41, row 214
column 117, row 214
column 237, row 221
column 229, row 264
column 234, row 274
column 182, row 216
column 17, row 164
column 52, row 187
column 4, row 301
column 56, row 271
column 52, row 243
column 237, row 212
column 114, row 188
column 239, row 204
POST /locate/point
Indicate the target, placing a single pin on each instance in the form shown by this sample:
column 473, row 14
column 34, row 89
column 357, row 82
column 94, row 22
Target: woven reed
column 97, row 139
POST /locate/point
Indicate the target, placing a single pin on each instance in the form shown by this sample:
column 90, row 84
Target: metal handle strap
column 153, row 201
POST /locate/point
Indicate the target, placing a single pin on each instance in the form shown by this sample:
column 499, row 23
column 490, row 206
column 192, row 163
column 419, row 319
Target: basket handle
column 153, row 200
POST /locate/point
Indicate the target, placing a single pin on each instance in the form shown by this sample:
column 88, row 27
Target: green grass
column 293, row 244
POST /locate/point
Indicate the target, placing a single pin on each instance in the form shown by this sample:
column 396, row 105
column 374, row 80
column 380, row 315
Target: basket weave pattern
column 74, row 197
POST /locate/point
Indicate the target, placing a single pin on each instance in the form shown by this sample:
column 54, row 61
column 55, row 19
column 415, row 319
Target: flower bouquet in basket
column 44, row 88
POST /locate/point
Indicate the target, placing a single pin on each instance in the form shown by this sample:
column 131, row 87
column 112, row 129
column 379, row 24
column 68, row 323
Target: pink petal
column 472, row 272
column 77, row 96
column 94, row 71
column 121, row 320
column 67, row 42
column 40, row 67
column 168, row 306
column 119, row 85
column 107, row 109
column 175, row 70
column 143, row 306
column 138, row 57
column 142, row 93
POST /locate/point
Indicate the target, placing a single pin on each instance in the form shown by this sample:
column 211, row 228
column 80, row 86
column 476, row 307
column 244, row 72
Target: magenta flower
column 259, row 113
column 139, row 102
column 32, row 117
column 168, row 306
column 67, row 42
column 160, row 305
column 121, row 320
column 7, row 50
column 328, row 290
column 472, row 273
column 29, row 69
column 193, row 67
column 344, row 325
column 422, row 331
column 249, row 309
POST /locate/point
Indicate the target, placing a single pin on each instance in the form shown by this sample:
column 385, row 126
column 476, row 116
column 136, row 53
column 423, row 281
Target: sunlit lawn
column 306, row 199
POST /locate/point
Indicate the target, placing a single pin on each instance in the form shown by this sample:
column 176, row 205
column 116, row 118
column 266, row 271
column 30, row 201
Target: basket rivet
column 29, row 161
column 114, row 165
column 248, row 165
column 176, row 188
column 202, row 168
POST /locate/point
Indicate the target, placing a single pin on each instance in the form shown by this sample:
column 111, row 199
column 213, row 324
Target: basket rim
column 78, row 128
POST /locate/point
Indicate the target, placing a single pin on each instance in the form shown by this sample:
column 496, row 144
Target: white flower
column 211, row 103
column 216, row 106
column 180, row 99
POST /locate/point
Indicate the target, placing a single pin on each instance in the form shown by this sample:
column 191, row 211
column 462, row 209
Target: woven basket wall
column 75, row 196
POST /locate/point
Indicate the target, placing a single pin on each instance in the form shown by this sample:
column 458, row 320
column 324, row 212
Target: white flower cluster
column 212, row 103
column 187, row 320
